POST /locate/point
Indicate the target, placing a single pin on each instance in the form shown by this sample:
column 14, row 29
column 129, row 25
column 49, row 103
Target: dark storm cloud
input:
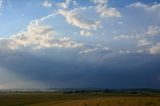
column 65, row 68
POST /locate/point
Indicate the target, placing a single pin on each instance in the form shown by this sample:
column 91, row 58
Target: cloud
column 36, row 37
column 108, row 12
column 125, row 52
column 68, row 63
column 153, row 30
column 144, row 42
column 150, row 32
column 104, row 10
column 122, row 36
column 47, row 3
column 72, row 17
column 40, row 36
column 1, row 3
column 75, row 18
column 138, row 5
column 44, row 18
column 3, row 43
column 85, row 33
column 65, row 4
column 11, row 80
column 100, row 1
column 88, row 51
column 96, row 49
column 155, row 49
column 147, row 7
column 63, row 68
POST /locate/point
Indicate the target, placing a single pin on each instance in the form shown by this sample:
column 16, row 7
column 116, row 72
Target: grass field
column 77, row 99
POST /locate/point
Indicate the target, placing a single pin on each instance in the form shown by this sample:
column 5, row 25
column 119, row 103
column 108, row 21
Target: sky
column 79, row 44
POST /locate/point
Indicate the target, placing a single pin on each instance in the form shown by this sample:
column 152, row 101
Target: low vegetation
column 82, row 98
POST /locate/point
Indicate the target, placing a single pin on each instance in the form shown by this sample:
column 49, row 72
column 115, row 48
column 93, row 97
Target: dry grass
column 85, row 99
column 109, row 101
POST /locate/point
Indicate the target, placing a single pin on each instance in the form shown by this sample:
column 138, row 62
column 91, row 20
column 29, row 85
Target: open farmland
column 78, row 99
column 111, row 101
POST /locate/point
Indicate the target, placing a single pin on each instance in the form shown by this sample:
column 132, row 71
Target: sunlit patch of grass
column 114, row 101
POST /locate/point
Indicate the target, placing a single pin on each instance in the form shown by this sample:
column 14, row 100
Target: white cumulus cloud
column 40, row 36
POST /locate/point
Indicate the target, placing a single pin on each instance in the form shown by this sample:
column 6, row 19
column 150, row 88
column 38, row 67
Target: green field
column 77, row 99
